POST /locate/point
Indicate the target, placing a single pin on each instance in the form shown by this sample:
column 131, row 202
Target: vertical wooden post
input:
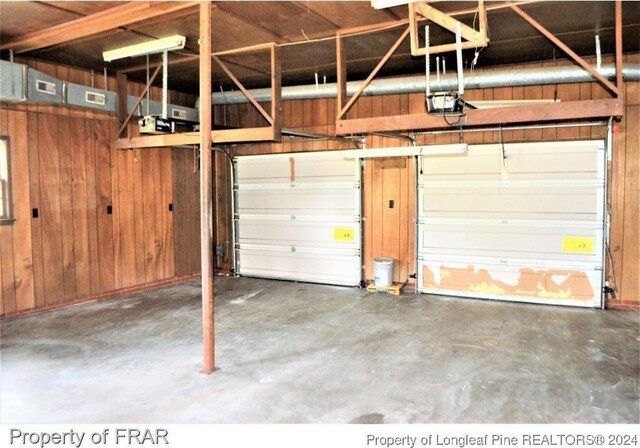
column 341, row 60
column 618, row 31
column 276, row 93
column 121, row 88
column 206, row 192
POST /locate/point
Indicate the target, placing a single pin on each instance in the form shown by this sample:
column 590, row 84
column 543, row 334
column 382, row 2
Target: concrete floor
column 292, row 352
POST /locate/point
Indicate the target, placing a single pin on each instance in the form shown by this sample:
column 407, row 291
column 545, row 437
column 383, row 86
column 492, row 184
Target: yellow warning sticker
column 343, row 234
column 578, row 244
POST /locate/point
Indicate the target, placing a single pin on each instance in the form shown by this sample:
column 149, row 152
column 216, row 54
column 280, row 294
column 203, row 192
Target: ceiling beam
column 243, row 135
column 537, row 113
column 112, row 32
column 109, row 19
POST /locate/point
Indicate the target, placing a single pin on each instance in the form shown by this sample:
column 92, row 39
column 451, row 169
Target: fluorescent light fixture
column 382, row 4
column 444, row 150
column 151, row 47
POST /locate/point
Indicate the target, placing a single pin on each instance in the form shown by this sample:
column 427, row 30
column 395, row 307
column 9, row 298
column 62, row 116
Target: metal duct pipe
column 411, row 84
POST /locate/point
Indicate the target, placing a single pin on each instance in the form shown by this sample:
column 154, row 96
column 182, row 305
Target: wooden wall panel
column 78, row 170
column 49, row 212
column 103, row 137
column 34, row 196
column 147, row 159
column 6, row 243
column 64, row 165
column 166, row 185
column 22, row 244
column 179, row 161
column 186, row 212
column 65, row 151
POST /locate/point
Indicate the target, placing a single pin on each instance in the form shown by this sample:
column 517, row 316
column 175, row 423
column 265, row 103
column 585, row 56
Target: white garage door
column 298, row 217
column 521, row 222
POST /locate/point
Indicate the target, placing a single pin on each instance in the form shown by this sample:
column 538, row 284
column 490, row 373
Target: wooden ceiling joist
column 109, row 19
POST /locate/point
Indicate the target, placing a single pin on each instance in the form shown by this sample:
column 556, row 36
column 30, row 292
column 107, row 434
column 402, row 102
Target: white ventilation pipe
column 413, row 84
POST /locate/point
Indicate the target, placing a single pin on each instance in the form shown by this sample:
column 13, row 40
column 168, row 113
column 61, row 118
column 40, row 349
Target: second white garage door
column 521, row 222
column 298, row 217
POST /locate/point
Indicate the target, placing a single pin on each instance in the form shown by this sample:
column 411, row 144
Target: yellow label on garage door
column 578, row 244
column 344, row 234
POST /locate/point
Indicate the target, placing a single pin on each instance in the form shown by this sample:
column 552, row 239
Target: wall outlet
column 220, row 252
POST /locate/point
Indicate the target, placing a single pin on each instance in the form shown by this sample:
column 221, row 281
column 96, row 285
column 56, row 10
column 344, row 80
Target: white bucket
column 383, row 271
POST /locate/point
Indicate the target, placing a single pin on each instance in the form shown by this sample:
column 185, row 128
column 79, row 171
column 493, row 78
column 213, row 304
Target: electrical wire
column 450, row 123
column 612, row 277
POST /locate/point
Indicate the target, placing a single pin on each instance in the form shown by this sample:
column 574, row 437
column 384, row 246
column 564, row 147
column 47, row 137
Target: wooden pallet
column 394, row 289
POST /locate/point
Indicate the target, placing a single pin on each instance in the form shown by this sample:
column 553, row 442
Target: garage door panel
column 511, row 200
column 521, row 162
column 552, row 161
column 539, row 212
column 327, row 268
column 539, row 284
column 503, row 241
column 296, row 233
column 296, row 201
column 300, row 168
column 478, row 161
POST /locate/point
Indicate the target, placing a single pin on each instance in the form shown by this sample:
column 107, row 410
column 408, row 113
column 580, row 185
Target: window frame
column 8, row 198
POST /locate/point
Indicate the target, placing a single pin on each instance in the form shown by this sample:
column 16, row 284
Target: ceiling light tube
column 169, row 43
column 382, row 4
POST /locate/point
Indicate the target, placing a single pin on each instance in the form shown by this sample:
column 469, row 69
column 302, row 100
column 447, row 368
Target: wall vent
column 95, row 98
column 45, row 87
column 179, row 114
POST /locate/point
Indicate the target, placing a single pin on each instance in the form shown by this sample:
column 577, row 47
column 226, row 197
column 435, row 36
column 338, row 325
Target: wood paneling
column 23, row 254
column 186, row 211
column 64, row 165
column 6, row 245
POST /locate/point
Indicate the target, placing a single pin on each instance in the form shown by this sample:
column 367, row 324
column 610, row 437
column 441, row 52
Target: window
column 5, row 182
